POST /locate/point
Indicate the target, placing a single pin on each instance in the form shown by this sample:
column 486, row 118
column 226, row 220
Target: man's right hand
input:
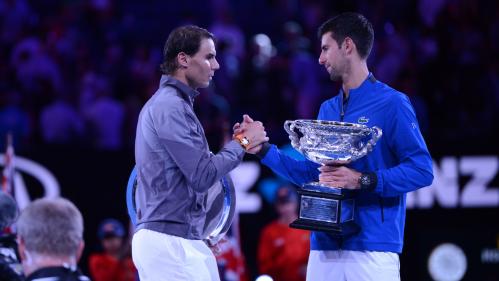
column 253, row 131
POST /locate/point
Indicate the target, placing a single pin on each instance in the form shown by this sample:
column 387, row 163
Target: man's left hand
column 339, row 176
column 216, row 249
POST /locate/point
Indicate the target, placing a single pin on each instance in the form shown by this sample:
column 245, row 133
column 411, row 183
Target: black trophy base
column 341, row 229
column 326, row 209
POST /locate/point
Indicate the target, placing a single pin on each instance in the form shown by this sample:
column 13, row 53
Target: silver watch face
column 365, row 179
column 244, row 141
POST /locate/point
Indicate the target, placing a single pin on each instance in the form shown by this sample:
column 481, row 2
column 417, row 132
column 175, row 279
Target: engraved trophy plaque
column 327, row 208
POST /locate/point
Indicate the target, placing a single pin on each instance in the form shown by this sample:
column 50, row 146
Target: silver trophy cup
column 322, row 207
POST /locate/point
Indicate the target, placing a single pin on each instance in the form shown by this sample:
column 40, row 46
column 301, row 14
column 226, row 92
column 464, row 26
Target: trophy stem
column 328, row 191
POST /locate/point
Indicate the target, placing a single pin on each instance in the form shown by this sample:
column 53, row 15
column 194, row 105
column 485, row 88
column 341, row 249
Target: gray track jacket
column 174, row 165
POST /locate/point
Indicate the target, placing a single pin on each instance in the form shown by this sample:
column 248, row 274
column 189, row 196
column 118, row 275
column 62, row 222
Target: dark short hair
column 352, row 25
column 185, row 39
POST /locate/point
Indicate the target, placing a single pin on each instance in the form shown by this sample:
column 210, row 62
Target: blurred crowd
column 76, row 72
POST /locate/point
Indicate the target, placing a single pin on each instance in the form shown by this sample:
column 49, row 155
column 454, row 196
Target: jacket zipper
column 382, row 209
column 344, row 102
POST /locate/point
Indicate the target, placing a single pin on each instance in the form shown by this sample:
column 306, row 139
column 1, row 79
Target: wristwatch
column 368, row 181
column 243, row 141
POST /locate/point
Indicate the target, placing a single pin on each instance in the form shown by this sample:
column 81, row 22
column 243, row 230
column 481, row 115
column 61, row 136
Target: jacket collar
column 364, row 87
column 186, row 91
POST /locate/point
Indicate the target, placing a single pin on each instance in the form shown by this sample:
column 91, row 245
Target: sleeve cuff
column 235, row 146
column 265, row 148
column 378, row 188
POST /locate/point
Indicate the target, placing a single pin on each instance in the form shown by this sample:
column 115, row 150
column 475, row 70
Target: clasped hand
column 252, row 131
column 339, row 176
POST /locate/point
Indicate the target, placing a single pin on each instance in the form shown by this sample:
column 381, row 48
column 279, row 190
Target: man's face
column 332, row 57
column 112, row 244
column 289, row 208
column 202, row 65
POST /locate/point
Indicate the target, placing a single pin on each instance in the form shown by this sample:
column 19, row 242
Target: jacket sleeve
column 184, row 141
column 406, row 142
column 296, row 171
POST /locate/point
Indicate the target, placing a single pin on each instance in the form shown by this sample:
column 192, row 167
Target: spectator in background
column 10, row 267
column 60, row 122
column 283, row 251
column 34, row 67
column 114, row 263
column 15, row 15
column 230, row 260
column 225, row 29
column 103, row 113
column 13, row 118
column 56, row 43
column 50, row 238
column 304, row 72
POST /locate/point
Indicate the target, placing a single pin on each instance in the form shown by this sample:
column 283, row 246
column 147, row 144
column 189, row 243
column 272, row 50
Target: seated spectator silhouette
column 10, row 267
column 283, row 251
column 114, row 263
column 50, row 238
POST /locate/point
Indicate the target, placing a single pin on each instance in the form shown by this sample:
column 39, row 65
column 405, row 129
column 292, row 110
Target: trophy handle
column 287, row 127
column 376, row 134
column 290, row 126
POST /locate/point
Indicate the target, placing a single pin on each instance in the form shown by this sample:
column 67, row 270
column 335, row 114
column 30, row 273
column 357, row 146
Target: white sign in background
column 444, row 192
column 37, row 171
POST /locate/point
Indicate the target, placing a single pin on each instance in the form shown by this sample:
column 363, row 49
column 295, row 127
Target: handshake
column 250, row 134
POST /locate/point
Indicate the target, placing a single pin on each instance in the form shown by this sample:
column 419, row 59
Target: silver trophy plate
column 221, row 205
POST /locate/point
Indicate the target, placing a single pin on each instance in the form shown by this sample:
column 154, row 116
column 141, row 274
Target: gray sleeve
column 185, row 143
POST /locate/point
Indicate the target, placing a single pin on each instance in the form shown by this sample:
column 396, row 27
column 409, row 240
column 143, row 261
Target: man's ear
column 79, row 252
column 183, row 59
column 348, row 46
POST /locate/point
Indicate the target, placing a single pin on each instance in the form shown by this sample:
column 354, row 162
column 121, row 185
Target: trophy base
column 328, row 209
column 341, row 230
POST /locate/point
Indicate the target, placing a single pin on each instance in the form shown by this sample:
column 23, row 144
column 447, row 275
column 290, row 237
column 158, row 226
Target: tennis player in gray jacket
column 175, row 168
